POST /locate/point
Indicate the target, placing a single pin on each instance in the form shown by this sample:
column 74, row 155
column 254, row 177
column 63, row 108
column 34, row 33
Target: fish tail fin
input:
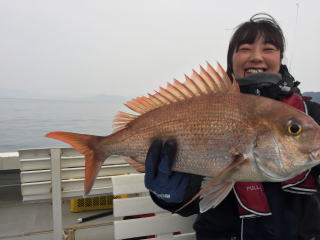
column 87, row 145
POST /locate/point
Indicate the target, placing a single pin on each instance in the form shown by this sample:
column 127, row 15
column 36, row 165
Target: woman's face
column 256, row 57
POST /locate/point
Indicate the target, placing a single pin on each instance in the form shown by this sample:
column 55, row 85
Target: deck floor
column 18, row 219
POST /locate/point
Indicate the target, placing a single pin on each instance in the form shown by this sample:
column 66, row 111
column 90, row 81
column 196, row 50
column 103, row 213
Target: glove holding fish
column 159, row 179
column 220, row 133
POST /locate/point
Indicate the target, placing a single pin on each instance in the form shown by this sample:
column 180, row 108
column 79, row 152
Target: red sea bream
column 220, row 132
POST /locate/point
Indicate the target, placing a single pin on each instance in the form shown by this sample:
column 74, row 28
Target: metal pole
column 56, row 194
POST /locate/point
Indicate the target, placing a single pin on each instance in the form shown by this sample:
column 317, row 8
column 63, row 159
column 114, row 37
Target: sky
column 131, row 47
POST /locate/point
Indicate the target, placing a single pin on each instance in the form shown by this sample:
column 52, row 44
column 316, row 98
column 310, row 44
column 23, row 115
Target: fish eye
column 294, row 129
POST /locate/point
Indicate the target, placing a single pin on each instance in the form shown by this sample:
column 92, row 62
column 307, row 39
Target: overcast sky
column 130, row 47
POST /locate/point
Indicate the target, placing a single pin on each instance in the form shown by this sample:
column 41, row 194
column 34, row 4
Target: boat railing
column 53, row 174
column 37, row 178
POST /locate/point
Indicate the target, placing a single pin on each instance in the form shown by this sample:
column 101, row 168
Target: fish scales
column 204, row 129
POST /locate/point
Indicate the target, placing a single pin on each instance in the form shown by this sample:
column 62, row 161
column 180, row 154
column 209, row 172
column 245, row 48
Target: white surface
column 37, row 159
column 9, row 160
column 74, row 172
column 56, row 194
column 135, row 206
column 152, row 225
column 19, row 220
column 70, row 188
column 122, row 184
column 162, row 225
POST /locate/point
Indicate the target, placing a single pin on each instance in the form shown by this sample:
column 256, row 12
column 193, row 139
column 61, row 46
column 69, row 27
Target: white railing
column 53, row 174
column 36, row 175
column 9, row 161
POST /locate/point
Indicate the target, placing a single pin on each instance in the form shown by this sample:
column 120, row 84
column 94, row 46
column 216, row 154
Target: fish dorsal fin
column 206, row 82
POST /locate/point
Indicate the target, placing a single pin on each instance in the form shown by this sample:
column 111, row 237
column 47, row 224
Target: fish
column 221, row 133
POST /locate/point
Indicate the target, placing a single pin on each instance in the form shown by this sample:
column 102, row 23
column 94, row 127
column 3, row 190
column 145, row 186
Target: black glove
column 159, row 179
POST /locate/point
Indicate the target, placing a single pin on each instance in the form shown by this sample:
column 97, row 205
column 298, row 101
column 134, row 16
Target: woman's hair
column 259, row 25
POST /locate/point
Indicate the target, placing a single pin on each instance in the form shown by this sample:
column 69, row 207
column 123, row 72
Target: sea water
column 24, row 122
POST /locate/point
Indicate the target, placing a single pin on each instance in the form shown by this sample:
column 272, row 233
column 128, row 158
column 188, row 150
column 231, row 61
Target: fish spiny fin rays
column 206, row 190
column 235, row 86
column 84, row 144
column 209, row 80
column 206, row 82
column 217, row 78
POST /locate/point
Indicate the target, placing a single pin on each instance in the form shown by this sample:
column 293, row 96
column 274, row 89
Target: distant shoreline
column 111, row 99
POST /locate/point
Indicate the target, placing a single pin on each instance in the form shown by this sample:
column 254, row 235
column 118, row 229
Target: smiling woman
column 255, row 57
column 256, row 46
column 255, row 210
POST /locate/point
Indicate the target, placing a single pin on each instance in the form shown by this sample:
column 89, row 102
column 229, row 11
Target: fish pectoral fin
column 237, row 161
column 137, row 166
column 215, row 195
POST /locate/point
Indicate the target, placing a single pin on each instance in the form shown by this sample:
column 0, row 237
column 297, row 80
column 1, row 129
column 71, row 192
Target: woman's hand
column 159, row 179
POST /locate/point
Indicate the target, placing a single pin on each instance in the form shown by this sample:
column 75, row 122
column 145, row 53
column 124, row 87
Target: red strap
column 304, row 183
column 252, row 199
column 294, row 100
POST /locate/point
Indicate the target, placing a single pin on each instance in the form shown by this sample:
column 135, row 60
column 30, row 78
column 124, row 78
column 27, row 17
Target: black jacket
column 294, row 216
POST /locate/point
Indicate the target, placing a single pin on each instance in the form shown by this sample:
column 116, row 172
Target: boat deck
column 33, row 221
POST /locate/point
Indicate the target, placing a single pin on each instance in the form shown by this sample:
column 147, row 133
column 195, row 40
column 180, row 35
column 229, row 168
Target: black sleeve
column 192, row 189
column 313, row 110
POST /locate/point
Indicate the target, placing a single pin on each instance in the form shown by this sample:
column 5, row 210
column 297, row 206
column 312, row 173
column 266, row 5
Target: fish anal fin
column 136, row 165
column 237, row 161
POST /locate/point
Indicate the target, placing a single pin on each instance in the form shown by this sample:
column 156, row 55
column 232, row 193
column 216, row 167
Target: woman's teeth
column 254, row 70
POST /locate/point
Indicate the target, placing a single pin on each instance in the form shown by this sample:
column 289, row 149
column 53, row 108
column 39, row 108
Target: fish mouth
column 315, row 155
